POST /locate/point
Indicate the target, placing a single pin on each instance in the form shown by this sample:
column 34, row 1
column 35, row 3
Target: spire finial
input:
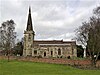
column 29, row 9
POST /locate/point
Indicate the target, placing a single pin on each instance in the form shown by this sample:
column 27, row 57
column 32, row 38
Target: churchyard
column 43, row 67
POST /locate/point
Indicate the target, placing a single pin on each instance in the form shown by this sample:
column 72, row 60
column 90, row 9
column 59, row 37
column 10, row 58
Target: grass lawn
column 30, row 68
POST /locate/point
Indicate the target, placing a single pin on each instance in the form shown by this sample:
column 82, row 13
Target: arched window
column 59, row 51
column 44, row 54
column 51, row 53
column 35, row 52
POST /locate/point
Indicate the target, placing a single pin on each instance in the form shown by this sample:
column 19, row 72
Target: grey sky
column 52, row 19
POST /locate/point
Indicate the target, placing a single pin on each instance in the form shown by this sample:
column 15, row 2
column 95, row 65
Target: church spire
column 29, row 21
column 29, row 9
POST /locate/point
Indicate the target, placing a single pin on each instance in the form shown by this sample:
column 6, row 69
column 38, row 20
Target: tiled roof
column 37, row 42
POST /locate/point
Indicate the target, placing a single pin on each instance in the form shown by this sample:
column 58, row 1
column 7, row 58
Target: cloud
column 52, row 19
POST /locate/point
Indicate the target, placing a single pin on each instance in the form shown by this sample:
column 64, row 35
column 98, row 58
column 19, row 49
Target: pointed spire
column 29, row 21
column 29, row 10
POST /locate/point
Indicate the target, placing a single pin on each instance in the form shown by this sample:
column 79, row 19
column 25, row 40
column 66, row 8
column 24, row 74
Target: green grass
column 30, row 68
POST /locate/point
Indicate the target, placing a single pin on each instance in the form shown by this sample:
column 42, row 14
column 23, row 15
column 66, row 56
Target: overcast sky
column 52, row 19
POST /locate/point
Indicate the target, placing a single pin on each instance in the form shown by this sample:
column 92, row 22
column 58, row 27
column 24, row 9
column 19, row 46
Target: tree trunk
column 8, row 55
column 93, row 62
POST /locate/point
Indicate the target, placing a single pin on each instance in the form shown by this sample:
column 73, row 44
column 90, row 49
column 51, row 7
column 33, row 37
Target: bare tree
column 93, row 44
column 7, row 36
column 82, row 34
column 89, row 35
column 97, row 12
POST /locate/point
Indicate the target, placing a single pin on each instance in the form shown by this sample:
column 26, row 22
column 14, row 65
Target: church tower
column 28, row 37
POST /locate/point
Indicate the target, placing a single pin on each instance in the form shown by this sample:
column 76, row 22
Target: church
column 46, row 48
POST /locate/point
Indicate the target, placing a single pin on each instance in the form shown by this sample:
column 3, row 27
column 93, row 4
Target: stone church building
column 46, row 48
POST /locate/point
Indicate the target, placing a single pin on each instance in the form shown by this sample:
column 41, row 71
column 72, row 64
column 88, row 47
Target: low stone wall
column 51, row 60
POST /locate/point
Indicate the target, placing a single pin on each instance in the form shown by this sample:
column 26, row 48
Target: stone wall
column 28, row 43
column 55, row 51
